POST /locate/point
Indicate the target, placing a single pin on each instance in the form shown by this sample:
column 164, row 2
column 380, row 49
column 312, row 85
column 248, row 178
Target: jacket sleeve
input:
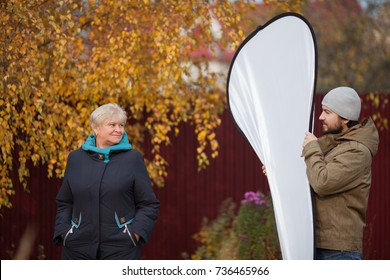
column 146, row 203
column 64, row 201
column 341, row 172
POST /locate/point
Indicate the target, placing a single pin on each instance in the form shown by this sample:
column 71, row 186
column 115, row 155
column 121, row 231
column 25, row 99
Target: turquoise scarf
column 90, row 145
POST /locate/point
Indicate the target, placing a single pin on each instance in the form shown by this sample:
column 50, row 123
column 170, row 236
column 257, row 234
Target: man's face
column 331, row 122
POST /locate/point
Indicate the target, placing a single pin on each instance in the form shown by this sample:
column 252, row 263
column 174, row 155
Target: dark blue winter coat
column 106, row 196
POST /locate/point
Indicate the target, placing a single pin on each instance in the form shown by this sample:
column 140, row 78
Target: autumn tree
column 61, row 59
column 354, row 49
column 353, row 43
column 286, row 5
column 352, row 40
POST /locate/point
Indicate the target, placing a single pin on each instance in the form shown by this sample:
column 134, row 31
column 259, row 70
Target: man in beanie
column 339, row 171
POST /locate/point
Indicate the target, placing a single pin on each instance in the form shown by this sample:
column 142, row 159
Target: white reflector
column 270, row 92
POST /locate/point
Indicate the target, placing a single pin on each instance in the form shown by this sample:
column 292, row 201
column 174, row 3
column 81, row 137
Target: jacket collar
column 90, row 145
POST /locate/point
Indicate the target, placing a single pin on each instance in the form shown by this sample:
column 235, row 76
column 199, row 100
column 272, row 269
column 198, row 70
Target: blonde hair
column 106, row 112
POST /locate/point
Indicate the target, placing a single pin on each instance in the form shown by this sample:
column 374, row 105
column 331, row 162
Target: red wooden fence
column 190, row 195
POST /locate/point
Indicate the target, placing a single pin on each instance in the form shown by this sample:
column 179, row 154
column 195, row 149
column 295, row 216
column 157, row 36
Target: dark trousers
column 325, row 254
column 104, row 252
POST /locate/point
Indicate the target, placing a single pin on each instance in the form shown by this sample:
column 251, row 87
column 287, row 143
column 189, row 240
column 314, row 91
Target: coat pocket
column 124, row 222
column 75, row 223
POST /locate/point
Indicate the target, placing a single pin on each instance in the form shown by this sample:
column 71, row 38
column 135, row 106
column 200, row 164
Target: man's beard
column 334, row 130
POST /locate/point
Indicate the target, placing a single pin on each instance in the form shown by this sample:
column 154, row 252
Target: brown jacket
column 339, row 171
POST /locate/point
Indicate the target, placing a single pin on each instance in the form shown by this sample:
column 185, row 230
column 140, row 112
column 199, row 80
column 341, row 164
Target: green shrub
column 213, row 234
column 247, row 235
column 255, row 229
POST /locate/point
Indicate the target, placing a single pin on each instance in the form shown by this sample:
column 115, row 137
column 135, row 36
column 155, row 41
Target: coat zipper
column 131, row 237
column 66, row 236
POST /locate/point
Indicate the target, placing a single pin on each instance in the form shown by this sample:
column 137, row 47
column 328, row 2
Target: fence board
column 189, row 195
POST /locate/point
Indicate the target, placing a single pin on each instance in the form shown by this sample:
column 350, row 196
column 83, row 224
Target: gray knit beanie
column 344, row 101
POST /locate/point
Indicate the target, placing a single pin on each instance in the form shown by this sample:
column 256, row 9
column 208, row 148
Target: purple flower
column 255, row 198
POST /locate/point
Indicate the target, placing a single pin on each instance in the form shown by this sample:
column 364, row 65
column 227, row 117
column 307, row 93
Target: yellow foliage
column 288, row 5
column 61, row 59
column 380, row 101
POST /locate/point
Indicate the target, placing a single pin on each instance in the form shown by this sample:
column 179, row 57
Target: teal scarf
column 90, row 145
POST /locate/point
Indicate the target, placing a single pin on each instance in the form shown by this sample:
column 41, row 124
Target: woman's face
column 109, row 132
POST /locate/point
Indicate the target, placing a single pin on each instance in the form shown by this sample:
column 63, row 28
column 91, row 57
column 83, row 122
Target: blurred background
column 166, row 63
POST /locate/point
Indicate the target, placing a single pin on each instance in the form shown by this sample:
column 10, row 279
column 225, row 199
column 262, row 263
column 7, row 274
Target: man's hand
column 264, row 170
column 308, row 138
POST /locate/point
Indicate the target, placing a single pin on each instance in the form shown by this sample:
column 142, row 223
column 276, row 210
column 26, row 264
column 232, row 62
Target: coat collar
column 90, row 145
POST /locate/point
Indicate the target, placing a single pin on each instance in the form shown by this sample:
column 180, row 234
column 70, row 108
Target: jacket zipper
column 131, row 237
column 66, row 236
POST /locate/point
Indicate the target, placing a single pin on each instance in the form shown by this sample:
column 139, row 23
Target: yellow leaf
column 202, row 135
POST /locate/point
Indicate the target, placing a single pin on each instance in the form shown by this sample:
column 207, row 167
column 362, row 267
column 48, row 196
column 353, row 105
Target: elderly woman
column 106, row 207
